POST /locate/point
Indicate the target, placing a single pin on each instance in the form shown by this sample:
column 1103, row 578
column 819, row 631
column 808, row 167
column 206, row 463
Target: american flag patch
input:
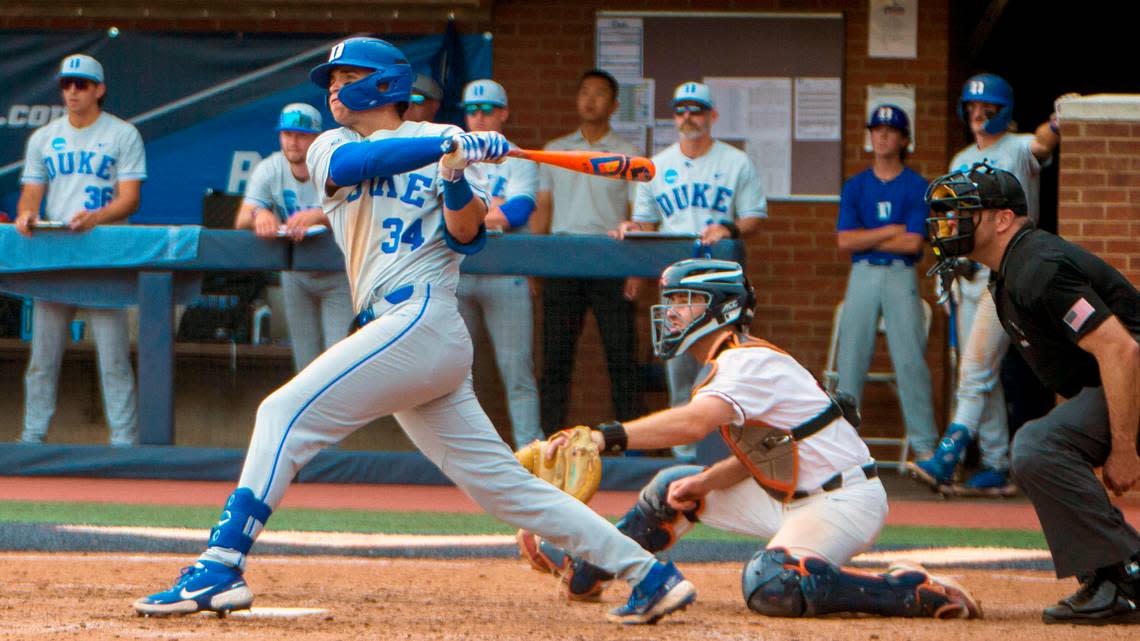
column 1077, row 315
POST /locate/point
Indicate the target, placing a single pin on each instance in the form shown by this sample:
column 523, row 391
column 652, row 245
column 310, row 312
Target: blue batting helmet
column 391, row 82
column 992, row 89
column 891, row 116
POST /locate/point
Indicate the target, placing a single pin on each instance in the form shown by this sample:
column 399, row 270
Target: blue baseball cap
column 891, row 116
column 301, row 117
column 484, row 92
column 81, row 66
column 697, row 92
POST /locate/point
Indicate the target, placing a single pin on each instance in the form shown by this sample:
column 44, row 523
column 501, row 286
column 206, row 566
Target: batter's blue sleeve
column 518, row 210
column 353, row 163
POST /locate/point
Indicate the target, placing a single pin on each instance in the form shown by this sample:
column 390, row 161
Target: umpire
column 1076, row 321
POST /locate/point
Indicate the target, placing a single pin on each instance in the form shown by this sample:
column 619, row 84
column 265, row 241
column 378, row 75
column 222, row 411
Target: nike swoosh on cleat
column 196, row 593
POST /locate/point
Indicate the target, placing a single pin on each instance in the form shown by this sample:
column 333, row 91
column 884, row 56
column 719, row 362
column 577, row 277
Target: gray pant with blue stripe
column 889, row 291
column 414, row 362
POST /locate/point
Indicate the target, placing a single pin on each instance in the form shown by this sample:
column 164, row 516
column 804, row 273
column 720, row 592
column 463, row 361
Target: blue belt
column 394, row 297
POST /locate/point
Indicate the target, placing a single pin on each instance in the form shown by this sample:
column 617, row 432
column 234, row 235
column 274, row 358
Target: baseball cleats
column 583, row 581
column 987, row 482
column 662, row 592
column 938, row 470
column 1099, row 601
column 939, row 596
column 205, row 586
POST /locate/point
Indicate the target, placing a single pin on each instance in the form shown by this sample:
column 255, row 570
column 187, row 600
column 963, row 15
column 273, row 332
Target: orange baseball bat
column 596, row 163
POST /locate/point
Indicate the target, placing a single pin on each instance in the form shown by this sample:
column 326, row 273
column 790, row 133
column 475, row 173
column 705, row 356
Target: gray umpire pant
column 1053, row 461
column 50, row 330
column 890, row 291
column 504, row 304
column 318, row 309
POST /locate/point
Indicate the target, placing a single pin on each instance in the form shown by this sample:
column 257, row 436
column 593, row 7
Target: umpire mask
column 958, row 198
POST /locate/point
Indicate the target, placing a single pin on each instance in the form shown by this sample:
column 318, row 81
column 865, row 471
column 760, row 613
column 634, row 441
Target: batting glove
column 481, row 146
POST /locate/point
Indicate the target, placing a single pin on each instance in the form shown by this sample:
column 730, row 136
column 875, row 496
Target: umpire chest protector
column 770, row 454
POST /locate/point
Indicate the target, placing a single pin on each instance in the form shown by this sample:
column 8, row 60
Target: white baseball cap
column 697, row 92
column 81, row 66
column 424, row 86
column 300, row 116
column 484, row 92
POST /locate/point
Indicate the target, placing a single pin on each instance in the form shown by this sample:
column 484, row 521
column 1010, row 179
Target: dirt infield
column 71, row 596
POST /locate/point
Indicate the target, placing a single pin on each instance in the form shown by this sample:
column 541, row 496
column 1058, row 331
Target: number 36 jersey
column 81, row 167
column 391, row 228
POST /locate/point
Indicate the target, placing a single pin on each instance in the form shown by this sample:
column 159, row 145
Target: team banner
column 205, row 104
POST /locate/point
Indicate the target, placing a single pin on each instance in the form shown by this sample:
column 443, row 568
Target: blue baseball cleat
column 205, row 586
column 938, row 470
column 662, row 592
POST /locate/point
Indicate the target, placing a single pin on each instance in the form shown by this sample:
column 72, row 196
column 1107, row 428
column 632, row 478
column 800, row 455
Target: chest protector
column 770, row 454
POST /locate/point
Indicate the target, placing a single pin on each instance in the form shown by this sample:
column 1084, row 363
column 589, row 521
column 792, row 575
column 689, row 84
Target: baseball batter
column 404, row 213
column 90, row 165
column 503, row 303
column 702, row 187
column 318, row 307
column 800, row 475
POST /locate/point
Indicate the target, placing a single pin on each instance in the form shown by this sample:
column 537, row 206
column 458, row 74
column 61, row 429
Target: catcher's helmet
column 718, row 285
column 891, row 116
column 391, row 82
column 955, row 197
column 992, row 89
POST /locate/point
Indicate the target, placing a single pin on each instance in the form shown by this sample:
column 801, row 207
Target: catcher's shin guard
column 777, row 584
column 583, row 581
column 651, row 522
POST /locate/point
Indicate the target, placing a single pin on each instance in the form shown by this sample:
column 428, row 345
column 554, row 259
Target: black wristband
column 733, row 230
column 613, row 436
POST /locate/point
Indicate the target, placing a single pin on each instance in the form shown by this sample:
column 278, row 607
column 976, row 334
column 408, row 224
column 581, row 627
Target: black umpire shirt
column 1049, row 294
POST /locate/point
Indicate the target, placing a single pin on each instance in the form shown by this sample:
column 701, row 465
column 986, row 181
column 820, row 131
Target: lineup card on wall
column 619, row 47
column 758, row 112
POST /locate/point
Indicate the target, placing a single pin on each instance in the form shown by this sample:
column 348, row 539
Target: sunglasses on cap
column 486, row 108
column 681, row 110
column 79, row 83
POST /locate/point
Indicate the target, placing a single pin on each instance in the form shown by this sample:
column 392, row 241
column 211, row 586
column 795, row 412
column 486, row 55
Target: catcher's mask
column 956, row 200
column 699, row 296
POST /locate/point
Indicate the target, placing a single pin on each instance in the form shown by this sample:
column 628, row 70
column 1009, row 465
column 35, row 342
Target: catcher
column 799, row 476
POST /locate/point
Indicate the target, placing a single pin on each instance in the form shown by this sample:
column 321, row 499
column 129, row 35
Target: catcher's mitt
column 576, row 467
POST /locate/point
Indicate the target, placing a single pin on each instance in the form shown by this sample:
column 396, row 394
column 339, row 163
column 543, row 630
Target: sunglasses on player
column 696, row 110
column 486, row 108
column 79, row 83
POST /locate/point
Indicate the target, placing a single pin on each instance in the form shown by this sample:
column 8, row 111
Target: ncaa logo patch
column 670, row 176
column 58, row 144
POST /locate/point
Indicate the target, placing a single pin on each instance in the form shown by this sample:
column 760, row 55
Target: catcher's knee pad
column 651, row 522
column 772, row 584
column 242, row 519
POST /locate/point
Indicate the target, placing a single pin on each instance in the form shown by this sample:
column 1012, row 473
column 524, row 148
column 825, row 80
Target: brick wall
column 1099, row 197
column 540, row 48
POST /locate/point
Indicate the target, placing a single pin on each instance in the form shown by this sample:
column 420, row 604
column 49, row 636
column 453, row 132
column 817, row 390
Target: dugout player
column 882, row 221
column 703, row 187
column 426, row 96
column 503, row 303
column 574, row 203
column 1076, row 320
column 318, row 306
column 800, row 475
column 986, row 106
column 404, row 213
column 90, row 165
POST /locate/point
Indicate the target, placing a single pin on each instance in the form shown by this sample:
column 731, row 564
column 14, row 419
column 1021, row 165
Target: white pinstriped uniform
column 414, row 362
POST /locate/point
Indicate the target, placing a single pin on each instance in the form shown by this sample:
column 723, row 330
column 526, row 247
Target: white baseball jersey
column 1011, row 153
column 688, row 194
column 82, row 167
column 391, row 229
column 274, row 187
column 513, row 177
column 767, row 386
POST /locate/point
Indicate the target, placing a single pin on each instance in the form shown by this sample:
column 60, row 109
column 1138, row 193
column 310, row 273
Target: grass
column 436, row 523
